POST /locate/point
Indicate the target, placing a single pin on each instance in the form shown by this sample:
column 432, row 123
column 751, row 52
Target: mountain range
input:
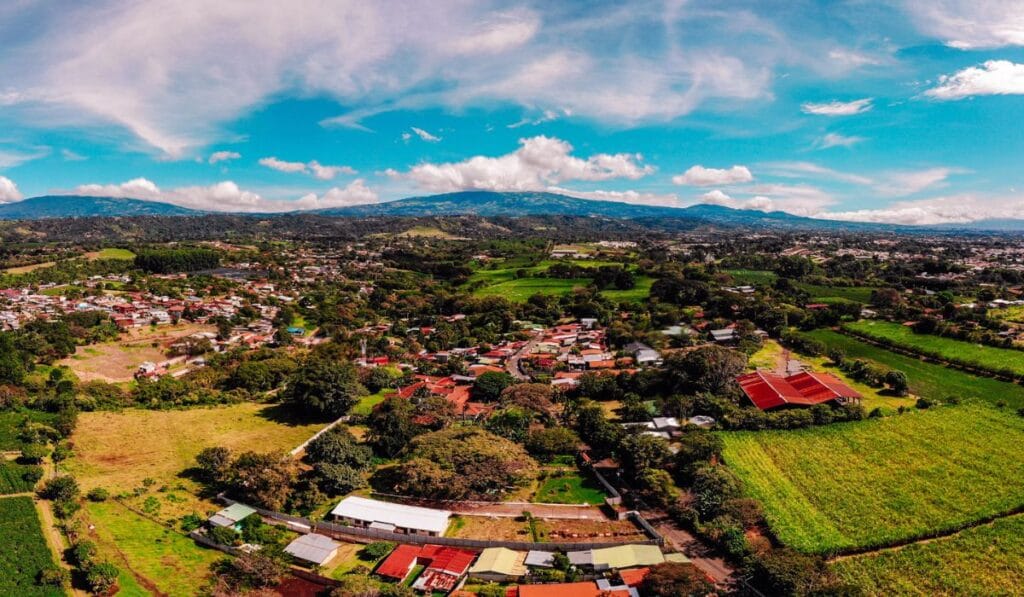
column 479, row 203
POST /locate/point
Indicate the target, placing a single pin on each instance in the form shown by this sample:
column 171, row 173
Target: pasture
column 882, row 481
column 988, row 358
column 14, row 477
column 23, row 551
column 930, row 380
column 837, row 294
column 516, row 282
column 985, row 560
column 110, row 253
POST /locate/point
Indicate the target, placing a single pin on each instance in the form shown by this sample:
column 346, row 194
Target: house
column 231, row 516
column 398, row 518
column 643, row 354
column 540, row 559
column 618, row 557
column 499, row 564
column 445, row 566
column 313, row 548
column 567, row 589
column 723, row 335
column 399, row 562
column 768, row 390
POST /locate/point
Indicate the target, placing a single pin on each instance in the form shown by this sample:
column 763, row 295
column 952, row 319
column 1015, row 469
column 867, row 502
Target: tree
column 379, row 378
column 391, row 426
column 338, row 479
column 510, row 423
column 62, row 488
column 338, row 446
column 787, row 572
column 538, row 397
column 640, row 452
column 547, row 443
column 707, row 369
column 356, row 585
column 254, row 570
column 324, row 386
column 262, row 479
column 488, row 386
column 712, row 486
column 697, row 447
column 214, row 463
column 897, row 381
column 100, row 577
column 673, row 579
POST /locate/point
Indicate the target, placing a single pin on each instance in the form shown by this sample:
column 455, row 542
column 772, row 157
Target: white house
column 386, row 516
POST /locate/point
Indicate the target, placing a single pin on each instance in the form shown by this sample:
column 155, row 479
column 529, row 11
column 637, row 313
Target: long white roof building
column 389, row 516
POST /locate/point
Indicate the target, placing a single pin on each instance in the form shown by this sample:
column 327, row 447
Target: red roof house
column 399, row 562
column 767, row 390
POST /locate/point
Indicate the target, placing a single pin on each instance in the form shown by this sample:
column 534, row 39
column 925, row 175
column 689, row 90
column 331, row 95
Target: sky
column 909, row 112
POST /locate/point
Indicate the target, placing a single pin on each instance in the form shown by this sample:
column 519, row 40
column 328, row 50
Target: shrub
column 53, row 577
column 98, row 494
column 101, row 577
column 223, row 535
column 60, row 488
column 377, row 550
column 83, row 554
column 191, row 522
column 34, row 453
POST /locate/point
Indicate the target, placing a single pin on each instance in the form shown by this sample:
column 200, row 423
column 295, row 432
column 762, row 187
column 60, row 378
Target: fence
column 330, row 426
column 363, row 535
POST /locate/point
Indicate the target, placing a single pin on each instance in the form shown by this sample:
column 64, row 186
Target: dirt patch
column 117, row 362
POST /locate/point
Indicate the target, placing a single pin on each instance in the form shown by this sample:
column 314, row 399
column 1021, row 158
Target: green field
column 502, row 281
column 523, row 288
column 365, row 405
column 834, row 294
column 147, row 553
column 882, row 481
column 930, row 380
column 986, row 560
column 10, row 422
column 637, row 294
column 989, row 358
column 23, row 550
column 12, row 477
column 112, row 253
column 569, row 487
column 751, row 276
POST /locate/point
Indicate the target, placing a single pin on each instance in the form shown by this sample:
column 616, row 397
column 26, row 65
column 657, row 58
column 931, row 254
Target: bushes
column 98, row 494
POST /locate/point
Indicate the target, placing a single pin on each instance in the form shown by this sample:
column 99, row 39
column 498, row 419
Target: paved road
column 512, row 364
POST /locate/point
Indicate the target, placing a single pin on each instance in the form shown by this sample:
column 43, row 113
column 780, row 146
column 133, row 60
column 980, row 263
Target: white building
column 386, row 516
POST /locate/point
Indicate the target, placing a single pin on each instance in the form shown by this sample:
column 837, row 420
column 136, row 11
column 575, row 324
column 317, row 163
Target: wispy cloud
column 838, row 108
column 837, row 140
column 424, row 135
column 223, row 156
column 994, row 77
column 313, row 167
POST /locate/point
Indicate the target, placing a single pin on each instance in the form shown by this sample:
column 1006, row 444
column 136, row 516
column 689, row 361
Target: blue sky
column 904, row 112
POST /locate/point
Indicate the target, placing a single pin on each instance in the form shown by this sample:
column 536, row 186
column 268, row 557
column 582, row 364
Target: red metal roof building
column 399, row 562
column 768, row 390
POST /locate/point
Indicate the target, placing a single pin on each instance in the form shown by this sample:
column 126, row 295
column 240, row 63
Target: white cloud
column 422, row 134
column 837, row 140
column 953, row 209
column 228, row 196
column 505, row 32
column 717, row 197
column 700, row 176
column 837, row 108
column 994, row 77
column 971, row 24
column 9, row 191
column 632, row 197
column 538, row 163
column 223, row 156
column 314, row 167
column 899, row 184
column 406, row 137
column 810, row 169
column 10, row 158
column 799, row 199
column 72, row 156
column 853, row 59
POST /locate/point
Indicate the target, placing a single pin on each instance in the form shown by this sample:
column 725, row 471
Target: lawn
column 365, row 405
column 881, row 481
column 10, row 423
column 502, row 281
column 523, row 288
column 751, row 277
column 569, row 487
column 930, row 380
column 12, row 477
column 988, row 358
column 147, row 553
column 637, row 294
column 986, row 560
column 23, row 551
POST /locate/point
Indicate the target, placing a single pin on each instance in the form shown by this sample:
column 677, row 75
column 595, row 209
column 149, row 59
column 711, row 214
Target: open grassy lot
column 366, row 404
column 833, row 294
column 523, row 288
column 882, row 481
column 926, row 379
column 152, row 558
column 23, row 550
column 10, row 423
column 110, row 253
column 117, row 361
column 986, row 560
column 569, row 487
column 636, row 294
column 500, row 279
column 989, row 358
column 751, row 276
column 118, row 450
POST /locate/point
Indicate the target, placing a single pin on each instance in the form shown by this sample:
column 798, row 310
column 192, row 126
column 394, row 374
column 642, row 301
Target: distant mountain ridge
column 480, row 203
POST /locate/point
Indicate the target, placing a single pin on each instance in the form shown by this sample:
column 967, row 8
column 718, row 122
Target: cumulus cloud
column 538, row 163
column 223, row 156
column 953, row 209
column 228, row 196
column 837, row 140
column 699, row 176
column 798, row 199
column 422, row 134
column 971, row 24
column 630, row 196
column 9, row 191
column 837, row 108
column 994, row 77
column 717, row 197
column 314, row 167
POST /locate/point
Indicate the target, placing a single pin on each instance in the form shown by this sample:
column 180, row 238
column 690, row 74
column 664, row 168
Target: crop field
column 984, row 357
column 985, row 560
column 636, row 294
column 523, row 288
column 569, row 487
column 111, row 253
column 502, row 281
column 23, row 551
column 930, row 380
column 10, row 422
column 882, row 481
column 153, row 559
column 12, row 477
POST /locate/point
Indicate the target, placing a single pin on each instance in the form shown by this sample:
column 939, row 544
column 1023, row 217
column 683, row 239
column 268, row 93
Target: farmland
column 516, row 282
column 930, row 380
column 23, row 551
column 11, row 420
column 948, row 566
column 826, row 489
column 819, row 294
column 13, row 477
column 989, row 358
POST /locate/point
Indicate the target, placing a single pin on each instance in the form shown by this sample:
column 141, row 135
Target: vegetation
column 569, row 487
column 923, row 473
column 168, row 261
column 24, row 555
column 18, row 478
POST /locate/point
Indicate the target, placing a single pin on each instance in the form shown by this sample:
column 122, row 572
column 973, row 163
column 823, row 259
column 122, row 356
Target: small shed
column 231, row 516
column 313, row 548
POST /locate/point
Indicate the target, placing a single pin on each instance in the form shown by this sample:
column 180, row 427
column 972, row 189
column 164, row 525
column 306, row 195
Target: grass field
column 984, row 357
column 881, row 481
column 151, row 557
column 751, row 276
column 930, row 380
column 569, row 487
column 365, row 405
column 502, row 281
column 11, row 420
column 23, row 550
column 25, row 269
column 111, row 253
column 12, row 477
column 523, row 288
column 986, row 560
column 832, row 294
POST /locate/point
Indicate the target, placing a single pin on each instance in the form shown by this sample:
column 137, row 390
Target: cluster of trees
column 265, row 480
column 169, row 261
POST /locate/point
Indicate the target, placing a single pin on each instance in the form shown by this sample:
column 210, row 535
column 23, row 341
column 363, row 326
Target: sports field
column 882, row 481
column 988, row 358
column 930, row 380
column 986, row 560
